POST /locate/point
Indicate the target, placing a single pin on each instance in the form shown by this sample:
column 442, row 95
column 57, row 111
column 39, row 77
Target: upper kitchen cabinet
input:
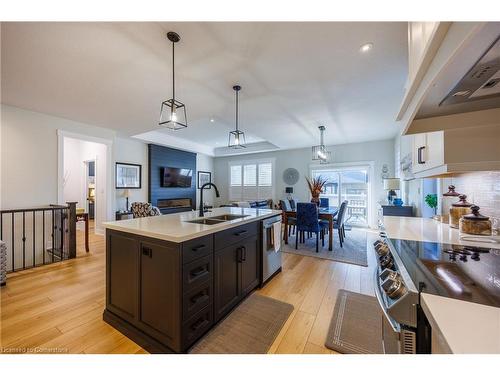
column 453, row 69
column 455, row 151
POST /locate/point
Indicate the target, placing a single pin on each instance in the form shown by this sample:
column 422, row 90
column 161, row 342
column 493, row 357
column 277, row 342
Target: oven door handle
column 395, row 327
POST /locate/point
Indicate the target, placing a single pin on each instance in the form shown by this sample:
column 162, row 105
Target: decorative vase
column 315, row 200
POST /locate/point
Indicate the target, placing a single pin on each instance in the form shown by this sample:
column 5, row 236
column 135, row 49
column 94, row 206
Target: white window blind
column 250, row 175
column 251, row 180
column 266, row 174
column 235, row 177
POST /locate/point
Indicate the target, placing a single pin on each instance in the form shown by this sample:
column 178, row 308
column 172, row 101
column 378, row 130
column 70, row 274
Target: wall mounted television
column 176, row 177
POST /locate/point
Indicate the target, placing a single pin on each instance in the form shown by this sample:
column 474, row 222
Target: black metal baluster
column 1, row 226
column 13, row 222
column 34, row 238
column 62, row 235
column 53, row 237
column 24, row 240
column 43, row 235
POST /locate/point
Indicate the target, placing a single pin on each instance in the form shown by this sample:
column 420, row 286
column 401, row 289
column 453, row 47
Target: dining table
column 324, row 213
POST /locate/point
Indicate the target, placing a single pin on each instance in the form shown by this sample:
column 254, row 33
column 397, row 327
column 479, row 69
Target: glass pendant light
column 173, row 112
column 320, row 152
column 236, row 137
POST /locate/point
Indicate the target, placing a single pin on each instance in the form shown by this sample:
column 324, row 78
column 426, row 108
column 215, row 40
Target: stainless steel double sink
column 216, row 219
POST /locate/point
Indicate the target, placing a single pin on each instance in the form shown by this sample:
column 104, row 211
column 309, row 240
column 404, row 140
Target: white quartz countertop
column 423, row 229
column 466, row 327
column 175, row 228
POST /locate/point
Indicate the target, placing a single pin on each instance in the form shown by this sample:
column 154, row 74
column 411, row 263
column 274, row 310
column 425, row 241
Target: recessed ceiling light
column 366, row 47
column 212, row 120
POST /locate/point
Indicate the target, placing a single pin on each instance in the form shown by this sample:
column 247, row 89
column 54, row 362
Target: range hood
column 482, row 81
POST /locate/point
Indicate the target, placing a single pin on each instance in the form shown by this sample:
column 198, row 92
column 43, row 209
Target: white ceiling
column 294, row 77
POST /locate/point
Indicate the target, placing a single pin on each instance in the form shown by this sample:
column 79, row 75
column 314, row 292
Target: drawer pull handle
column 241, row 232
column 147, row 251
column 199, row 247
column 198, row 271
column 200, row 323
column 199, row 297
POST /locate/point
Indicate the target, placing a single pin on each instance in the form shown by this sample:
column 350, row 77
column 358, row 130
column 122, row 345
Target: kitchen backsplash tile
column 482, row 189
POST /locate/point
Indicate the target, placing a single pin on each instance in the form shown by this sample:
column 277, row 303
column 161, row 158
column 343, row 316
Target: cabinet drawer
column 197, row 248
column 233, row 235
column 196, row 273
column 197, row 299
column 197, row 326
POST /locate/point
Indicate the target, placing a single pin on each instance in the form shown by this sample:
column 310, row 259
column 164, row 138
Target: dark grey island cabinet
column 165, row 295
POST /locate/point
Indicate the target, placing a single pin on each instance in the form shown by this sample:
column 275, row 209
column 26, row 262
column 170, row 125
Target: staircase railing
column 38, row 236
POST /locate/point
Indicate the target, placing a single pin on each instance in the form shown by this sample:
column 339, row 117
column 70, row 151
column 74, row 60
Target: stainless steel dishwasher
column 271, row 259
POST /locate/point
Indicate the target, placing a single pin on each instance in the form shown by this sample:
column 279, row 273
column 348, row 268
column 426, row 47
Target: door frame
column 61, row 134
column 370, row 165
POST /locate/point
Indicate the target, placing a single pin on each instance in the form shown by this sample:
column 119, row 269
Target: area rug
column 356, row 325
column 250, row 329
column 353, row 250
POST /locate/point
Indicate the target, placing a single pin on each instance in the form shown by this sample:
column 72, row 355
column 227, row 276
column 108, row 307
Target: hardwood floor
column 58, row 308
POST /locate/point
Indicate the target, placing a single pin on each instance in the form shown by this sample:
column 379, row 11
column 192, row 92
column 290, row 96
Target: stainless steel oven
column 398, row 300
column 396, row 338
column 271, row 259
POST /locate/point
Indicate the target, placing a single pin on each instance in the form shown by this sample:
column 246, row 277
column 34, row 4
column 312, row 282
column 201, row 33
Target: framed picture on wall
column 203, row 178
column 128, row 176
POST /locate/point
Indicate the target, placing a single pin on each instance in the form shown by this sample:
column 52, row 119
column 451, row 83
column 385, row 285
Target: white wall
column 205, row 163
column 379, row 152
column 29, row 155
column 131, row 151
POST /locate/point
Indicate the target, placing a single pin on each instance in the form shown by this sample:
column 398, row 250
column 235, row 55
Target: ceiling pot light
column 173, row 112
column 236, row 137
column 320, row 152
column 212, row 120
column 366, row 47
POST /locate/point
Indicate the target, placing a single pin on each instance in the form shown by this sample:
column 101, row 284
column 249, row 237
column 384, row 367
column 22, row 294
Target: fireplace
column 168, row 206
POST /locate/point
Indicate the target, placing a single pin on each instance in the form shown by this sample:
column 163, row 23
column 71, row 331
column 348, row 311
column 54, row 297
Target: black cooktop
column 462, row 272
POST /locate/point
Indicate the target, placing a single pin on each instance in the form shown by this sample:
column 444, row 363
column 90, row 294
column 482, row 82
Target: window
column 235, row 175
column 266, row 174
column 251, row 180
column 347, row 183
column 250, row 175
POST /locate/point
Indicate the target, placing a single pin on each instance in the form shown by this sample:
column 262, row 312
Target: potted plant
column 316, row 187
column 432, row 202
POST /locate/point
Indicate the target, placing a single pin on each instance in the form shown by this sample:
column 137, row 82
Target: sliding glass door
column 347, row 184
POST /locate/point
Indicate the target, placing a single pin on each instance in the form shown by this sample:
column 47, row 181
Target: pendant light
column 173, row 112
column 320, row 152
column 236, row 137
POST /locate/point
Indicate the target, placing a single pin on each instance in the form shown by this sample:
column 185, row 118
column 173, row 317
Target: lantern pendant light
column 236, row 137
column 320, row 152
column 173, row 112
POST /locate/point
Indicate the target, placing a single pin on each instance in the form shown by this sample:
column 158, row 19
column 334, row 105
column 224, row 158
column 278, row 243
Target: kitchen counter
column 430, row 230
column 175, row 228
column 460, row 326
column 168, row 281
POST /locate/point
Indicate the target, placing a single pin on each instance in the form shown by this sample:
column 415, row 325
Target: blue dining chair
column 324, row 202
column 339, row 222
column 285, row 206
column 307, row 221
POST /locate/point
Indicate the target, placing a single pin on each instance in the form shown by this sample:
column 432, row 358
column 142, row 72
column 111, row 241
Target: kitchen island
column 170, row 278
column 457, row 326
